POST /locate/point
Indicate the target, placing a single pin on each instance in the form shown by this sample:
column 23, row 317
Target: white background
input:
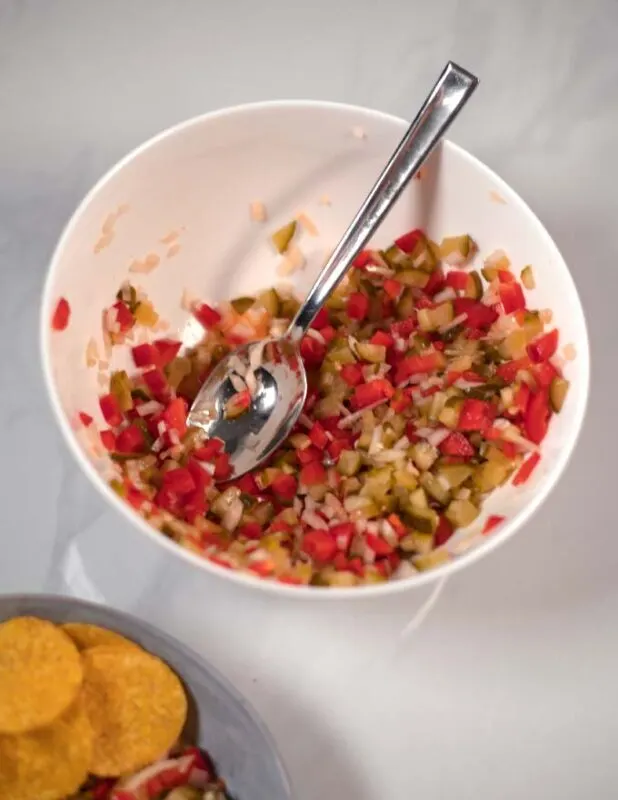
column 507, row 689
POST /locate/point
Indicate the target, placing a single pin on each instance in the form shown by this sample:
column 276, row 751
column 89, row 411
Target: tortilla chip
column 48, row 764
column 40, row 674
column 84, row 636
column 137, row 707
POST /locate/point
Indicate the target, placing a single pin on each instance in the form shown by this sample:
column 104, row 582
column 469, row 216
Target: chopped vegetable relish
column 430, row 386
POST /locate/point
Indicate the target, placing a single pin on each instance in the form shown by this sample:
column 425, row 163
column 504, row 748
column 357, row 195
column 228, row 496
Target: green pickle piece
column 282, row 238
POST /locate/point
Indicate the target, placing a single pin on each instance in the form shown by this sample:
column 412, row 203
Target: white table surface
column 507, row 689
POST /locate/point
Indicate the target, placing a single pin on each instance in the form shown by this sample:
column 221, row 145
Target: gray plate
column 223, row 722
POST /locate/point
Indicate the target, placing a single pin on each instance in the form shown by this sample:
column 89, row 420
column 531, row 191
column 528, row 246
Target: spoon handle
column 455, row 85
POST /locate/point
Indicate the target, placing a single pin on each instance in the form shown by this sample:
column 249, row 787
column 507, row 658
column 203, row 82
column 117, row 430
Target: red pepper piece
column 108, row 440
column 379, row 545
column 202, row 478
column 505, row 276
column 61, row 316
column 284, row 486
column 476, row 415
column 404, row 327
column 312, row 474
column 319, row 545
column 435, row 283
column 536, row 418
column 372, row 392
column 246, row 483
column 321, row 319
column 357, row 306
column 363, row 259
column 543, row 348
column 312, row 351
column 418, row 365
column 308, row 454
column 544, row 374
column 145, row 355
column 124, row 317
column 250, row 530
column 456, row 444
column 479, row 315
column 131, row 440
column 328, row 333
column 512, row 297
column 167, row 350
column 508, row 371
column 318, row 436
column 526, row 469
column 352, row 374
column 444, row 531
column 175, row 416
column 343, row 535
column 110, row 408
column 179, row 480
column 206, row 315
column 156, row 381
column 223, row 468
column 492, row 522
column 457, row 279
column 409, row 240
column 85, row 419
column 392, row 288
column 382, row 338
column 209, row 450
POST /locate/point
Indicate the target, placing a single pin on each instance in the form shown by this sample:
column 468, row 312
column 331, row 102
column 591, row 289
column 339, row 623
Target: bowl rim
column 186, row 652
column 507, row 529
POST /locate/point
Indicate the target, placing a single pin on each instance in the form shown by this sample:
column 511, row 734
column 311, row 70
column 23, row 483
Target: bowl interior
column 183, row 199
column 225, row 725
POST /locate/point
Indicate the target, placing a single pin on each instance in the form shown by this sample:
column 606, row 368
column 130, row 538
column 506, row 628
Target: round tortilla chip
column 48, row 764
column 40, row 674
column 85, row 636
column 137, row 707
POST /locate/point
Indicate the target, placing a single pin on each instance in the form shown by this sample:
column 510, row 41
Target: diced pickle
column 282, row 238
column 416, row 542
column 489, row 475
column 405, row 305
column 449, row 416
column 533, row 325
column 405, row 479
column 430, row 319
column 374, row 353
column 423, row 256
column 145, row 314
column 557, row 393
column 423, row 520
column 527, row 277
column 430, row 560
column 413, row 277
column 514, row 346
column 120, row 387
column 242, row 304
column 349, row 462
column 461, row 513
column 424, row 455
column 269, row 300
column 434, row 487
column 455, row 474
column 457, row 250
column 178, row 369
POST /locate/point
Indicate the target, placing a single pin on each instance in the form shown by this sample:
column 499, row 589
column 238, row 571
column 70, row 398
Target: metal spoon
column 280, row 378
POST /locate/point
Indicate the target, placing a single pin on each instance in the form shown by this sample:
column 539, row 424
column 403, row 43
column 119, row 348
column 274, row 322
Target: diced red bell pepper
column 223, row 468
column 167, row 350
column 479, row 315
column 312, row 351
column 457, row 279
column 392, row 288
column 352, row 374
column 444, row 531
column 328, row 333
column 401, row 400
column 409, row 240
column 435, row 283
column 456, row 444
column 476, row 415
column 336, row 447
column 156, row 381
column 357, row 306
column 85, row 419
column 247, row 484
column 312, row 474
column 284, row 486
column 509, row 369
column 544, row 373
column 321, row 319
column 145, row 355
column 512, row 297
column 319, row 545
column 61, row 316
column 404, row 327
column 168, row 500
column 110, row 408
column 372, row 392
column 379, row 545
column 424, row 301
column 101, row 790
column 419, row 365
column 179, row 480
column 492, row 522
column 508, row 448
column 522, row 398
column 526, row 469
column 382, row 338
column 250, row 530
column 306, row 455
column 363, row 259
column 124, row 317
column 131, row 440
column 206, row 315
column 108, row 440
column 343, row 535
column 536, row 418
column 175, row 416
column 194, row 506
column 209, row 450
column 543, row 348
column 318, row 436
column 506, row 276
column 202, row 478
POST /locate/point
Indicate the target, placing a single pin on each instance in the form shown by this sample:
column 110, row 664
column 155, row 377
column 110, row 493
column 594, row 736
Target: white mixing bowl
column 197, row 180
